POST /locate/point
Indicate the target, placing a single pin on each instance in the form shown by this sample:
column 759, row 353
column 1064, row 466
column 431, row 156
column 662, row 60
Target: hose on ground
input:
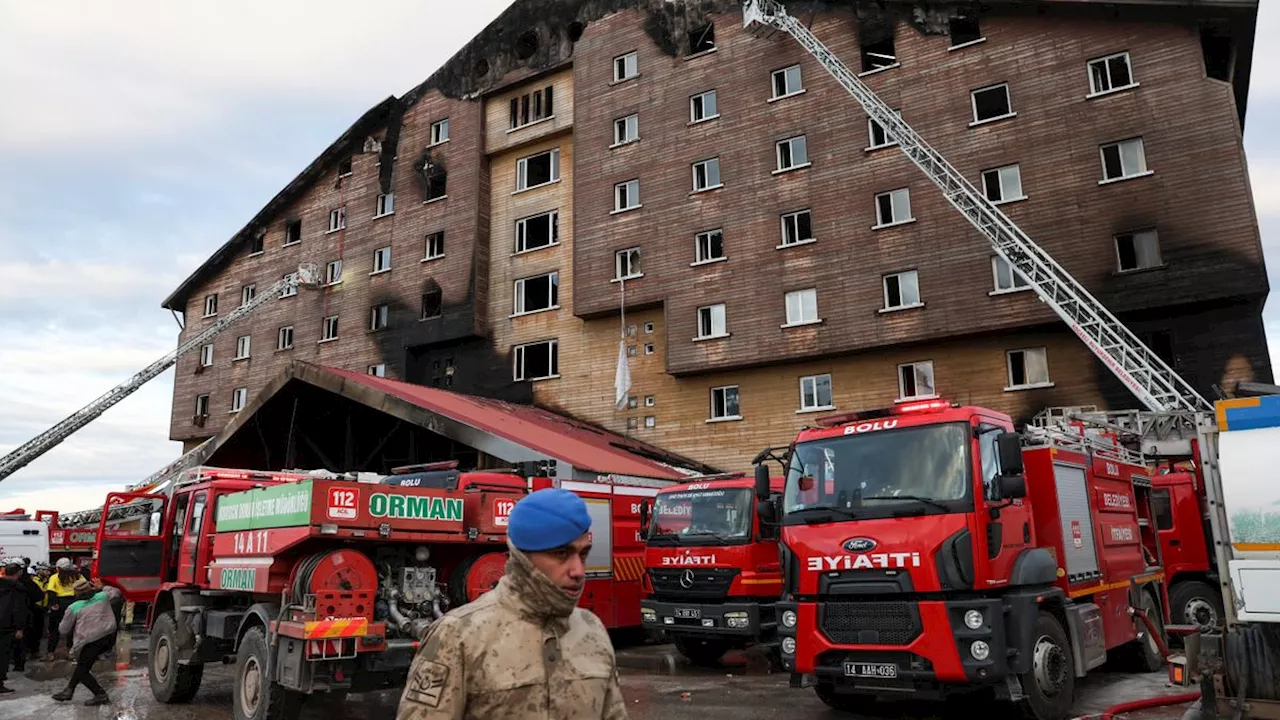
column 1146, row 703
column 1253, row 660
column 1153, row 631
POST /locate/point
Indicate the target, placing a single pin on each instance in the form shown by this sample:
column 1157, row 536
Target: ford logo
column 859, row 545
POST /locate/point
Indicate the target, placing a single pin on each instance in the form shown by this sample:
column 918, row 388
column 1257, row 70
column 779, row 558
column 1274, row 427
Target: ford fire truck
column 711, row 567
column 925, row 550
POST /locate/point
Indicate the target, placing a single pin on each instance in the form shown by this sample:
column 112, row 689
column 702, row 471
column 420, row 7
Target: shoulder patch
column 426, row 687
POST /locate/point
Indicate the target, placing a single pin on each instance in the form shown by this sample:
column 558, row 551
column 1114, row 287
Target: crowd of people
column 74, row 616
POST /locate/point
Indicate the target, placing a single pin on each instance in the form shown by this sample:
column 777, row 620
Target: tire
column 1147, row 653
column 1196, row 603
column 1049, row 686
column 171, row 682
column 704, row 653
column 843, row 702
column 255, row 696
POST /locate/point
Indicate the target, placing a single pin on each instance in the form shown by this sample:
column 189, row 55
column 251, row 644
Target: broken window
column 708, row 246
column 202, row 406
column 379, row 370
column 434, row 246
column 877, row 135
column 702, row 39
column 797, row 227
column 901, row 290
column 257, row 244
column 964, row 30
column 792, row 153
column 533, row 294
column 1138, row 250
column 436, row 178
column 991, row 103
column 1219, row 53
column 531, row 107
column 1161, row 343
column 337, row 219
column 724, row 403
column 538, row 169
column 893, row 207
column 537, row 361
column 1003, row 184
column 626, row 264
column 915, row 380
column 1110, row 73
column 344, row 167
column 706, row 174
column 1124, row 159
column 293, row 232
column 878, row 50
column 1007, row 279
column 538, row 231
column 431, row 301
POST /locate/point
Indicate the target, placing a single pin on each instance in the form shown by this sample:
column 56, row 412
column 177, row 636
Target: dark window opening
column 702, row 39
column 964, row 30
column 256, row 244
column 431, row 303
column 537, row 232
column 878, row 49
column 539, row 169
column 293, row 232
column 1162, row 508
column 1161, row 343
column 991, row 103
column 344, row 167
column 526, row 45
column 575, row 31
column 437, row 180
column 532, row 107
column 1218, row 50
column 481, row 68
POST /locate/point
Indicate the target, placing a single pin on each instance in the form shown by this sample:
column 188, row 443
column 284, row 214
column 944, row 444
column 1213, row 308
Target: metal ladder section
column 47, row 440
column 1148, row 377
column 1157, row 435
column 1085, row 443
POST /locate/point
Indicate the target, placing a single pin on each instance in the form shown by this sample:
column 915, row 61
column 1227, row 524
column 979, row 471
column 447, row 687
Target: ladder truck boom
column 50, row 438
column 1147, row 376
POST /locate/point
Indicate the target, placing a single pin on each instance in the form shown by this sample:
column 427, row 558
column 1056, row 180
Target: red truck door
column 1180, row 527
column 189, row 518
column 128, row 556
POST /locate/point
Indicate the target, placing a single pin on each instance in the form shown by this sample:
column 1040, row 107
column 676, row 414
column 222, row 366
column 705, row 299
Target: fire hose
column 1151, row 702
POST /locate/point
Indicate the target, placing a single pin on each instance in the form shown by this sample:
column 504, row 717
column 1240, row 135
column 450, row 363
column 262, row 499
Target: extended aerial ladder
column 1146, row 375
column 47, row 440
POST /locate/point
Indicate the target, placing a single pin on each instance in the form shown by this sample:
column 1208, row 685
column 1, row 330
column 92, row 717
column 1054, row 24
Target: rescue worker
column 37, row 626
column 523, row 651
column 13, row 617
column 26, row 582
column 60, row 593
column 89, row 624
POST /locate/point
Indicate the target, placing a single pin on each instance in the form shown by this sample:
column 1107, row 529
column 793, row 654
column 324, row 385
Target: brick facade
column 1200, row 302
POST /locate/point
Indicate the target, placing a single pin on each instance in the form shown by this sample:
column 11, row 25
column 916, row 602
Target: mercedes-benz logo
column 686, row 579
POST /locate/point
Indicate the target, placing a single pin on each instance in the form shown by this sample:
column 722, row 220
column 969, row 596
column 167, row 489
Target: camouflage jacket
column 508, row 656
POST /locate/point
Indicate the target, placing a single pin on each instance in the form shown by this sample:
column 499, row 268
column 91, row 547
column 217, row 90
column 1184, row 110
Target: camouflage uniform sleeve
column 436, row 687
column 614, row 706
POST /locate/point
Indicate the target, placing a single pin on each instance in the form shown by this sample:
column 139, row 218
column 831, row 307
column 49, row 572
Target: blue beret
column 547, row 519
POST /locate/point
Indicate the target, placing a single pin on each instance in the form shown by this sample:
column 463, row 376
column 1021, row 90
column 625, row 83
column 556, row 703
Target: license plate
column 689, row 613
column 870, row 670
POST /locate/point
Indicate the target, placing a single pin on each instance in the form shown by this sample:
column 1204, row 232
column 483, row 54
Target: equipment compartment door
column 600, row 559
column 1079, row 550
column 131, row 555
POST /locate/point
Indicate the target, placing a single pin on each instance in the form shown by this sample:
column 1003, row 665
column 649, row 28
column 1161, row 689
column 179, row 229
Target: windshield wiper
column 810, row 514
column 662, row 539
column 715, row 536
column 917, row 498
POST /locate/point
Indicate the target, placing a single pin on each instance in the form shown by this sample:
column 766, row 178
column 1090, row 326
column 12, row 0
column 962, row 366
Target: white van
column 24, row 539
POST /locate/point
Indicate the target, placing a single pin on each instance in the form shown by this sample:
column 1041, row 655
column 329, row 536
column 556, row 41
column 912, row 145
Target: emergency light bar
column 910, row 408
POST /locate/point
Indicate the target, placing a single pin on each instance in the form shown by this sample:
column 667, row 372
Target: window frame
column 202, row 406
column 715, row 101
column 892, row 194
column 933, row 381
column 289, row 290
column 429, row 246
column 384, row 205
column 329, row 328
column 630, row 126
column 381, row 260
column 711, row 315
column 522, row 170
column 884, row 286
column 239, row 399
column 1014, row 276
column 206, row 355
column 786, row 82
column 281, row 333
column 1008, row 99
column 337, row 219
column 440, row 131
column 518, row 299
column 724, row 402
column 1008, row 363
column 800, row 296
column 707, row 165
column 210, row 305
column 522, row 231
column 629, row 253
column 244, row 347
column 791, row 143
column 1000, row 181
column 1134, row 235
column 795, row 215
column 331, row 277
column 630, row 66
column 379, row 317
column 817, row 406
column 1105, row 60
column 627, row 184
column 377, row 370
column 699, row 258
column 1119, row 145
column 248, row 292
column 519, row 356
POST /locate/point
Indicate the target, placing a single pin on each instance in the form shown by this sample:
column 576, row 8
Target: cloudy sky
column 138, row 135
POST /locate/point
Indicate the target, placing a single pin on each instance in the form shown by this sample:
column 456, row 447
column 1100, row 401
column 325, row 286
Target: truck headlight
column 789, row 618
column 973, row 619
column 979, row 650
column 788, row 646
column 647, row 615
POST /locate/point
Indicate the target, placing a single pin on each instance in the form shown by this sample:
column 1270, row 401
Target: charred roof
column 532, row 36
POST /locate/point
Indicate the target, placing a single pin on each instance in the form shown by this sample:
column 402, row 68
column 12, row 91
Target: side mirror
column 1009, row 450
column 1012, row 487
column 805, row 483
column 644, row 518
column 762, row 482
column 768, row 511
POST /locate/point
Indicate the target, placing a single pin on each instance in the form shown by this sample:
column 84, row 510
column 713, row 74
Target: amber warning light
column 910, row 408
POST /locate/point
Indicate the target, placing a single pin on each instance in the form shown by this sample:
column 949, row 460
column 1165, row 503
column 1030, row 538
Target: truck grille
column 870, row 623
column 710, row 584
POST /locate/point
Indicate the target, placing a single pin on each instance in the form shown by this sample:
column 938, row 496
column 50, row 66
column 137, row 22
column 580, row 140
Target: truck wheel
column 1147, row 651
column 844, row 702
column 255, row 696
column 1049, row 685
column 1195, row 603
column 171, row 682
column 706, row 653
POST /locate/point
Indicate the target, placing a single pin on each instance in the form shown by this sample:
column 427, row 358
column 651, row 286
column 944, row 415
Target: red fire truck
column 310, row 583
column 74, row 543
column 1181, row 517
column 711, row 563
column 925, row 550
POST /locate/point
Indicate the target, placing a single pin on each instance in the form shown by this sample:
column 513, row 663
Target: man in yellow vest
column 60, row 592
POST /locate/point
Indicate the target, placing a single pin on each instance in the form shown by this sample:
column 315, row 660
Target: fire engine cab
column 929, row 548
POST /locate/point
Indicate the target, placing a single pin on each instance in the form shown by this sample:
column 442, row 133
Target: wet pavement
column 655, row 682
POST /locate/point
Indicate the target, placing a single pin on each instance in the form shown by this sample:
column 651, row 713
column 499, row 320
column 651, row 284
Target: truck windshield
column 702, row 517
column 910, row 471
